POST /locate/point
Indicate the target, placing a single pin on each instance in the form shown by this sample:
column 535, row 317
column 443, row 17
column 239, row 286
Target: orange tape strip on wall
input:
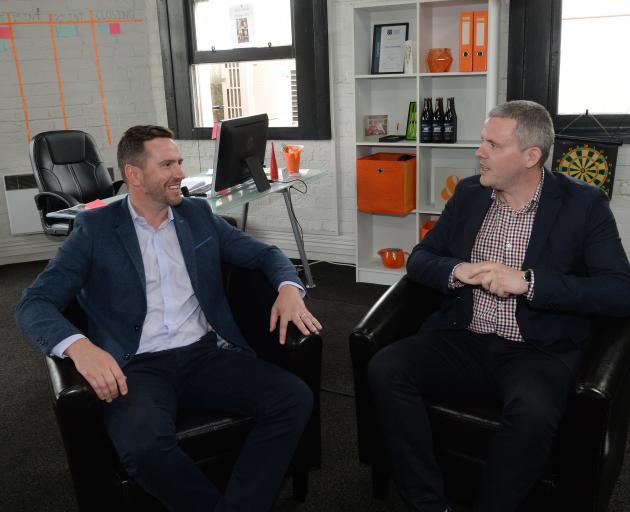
column 100, row 79
column 19, row 78
column 53, row 40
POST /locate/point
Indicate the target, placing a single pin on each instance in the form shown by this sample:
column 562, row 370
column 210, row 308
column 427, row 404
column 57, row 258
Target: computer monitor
column 240, row 152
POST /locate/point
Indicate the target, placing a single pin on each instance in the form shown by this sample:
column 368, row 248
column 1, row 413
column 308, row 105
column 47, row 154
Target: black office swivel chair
column 68, row 170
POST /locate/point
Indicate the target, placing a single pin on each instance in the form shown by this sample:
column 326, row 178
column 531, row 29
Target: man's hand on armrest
column 99, row 368
column 289, row 306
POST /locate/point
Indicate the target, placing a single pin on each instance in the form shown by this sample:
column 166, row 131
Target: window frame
column 310, row 49
column 534, row 68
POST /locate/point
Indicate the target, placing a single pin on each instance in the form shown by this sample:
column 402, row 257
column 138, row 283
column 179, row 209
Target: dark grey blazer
column 100, row 264
column 580, row 266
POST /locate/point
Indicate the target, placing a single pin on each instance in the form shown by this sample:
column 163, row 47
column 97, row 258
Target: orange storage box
column 386, row 183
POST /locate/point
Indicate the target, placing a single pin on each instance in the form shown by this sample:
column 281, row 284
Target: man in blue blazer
column 524, row 258
column 147, row 272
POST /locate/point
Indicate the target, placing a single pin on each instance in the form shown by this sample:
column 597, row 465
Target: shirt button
column 136, row 328
column 508, row 245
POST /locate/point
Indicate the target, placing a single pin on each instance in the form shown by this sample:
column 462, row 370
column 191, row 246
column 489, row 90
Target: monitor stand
column 258, row 173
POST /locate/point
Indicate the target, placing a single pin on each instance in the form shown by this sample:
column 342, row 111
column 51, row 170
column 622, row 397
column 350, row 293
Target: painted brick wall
column 134, row 93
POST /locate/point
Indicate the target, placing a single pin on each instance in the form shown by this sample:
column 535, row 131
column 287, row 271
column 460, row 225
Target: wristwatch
column 527, row 275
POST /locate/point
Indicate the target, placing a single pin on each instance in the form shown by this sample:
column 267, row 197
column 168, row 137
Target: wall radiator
column 20, row 189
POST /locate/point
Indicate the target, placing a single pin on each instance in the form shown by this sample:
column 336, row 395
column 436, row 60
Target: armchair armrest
column 87, row 445
column 399, row 313
column 606, row 367
column 251, row 297
column 595, row 428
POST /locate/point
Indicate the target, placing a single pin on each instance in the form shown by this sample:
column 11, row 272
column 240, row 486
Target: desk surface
column 220, row 204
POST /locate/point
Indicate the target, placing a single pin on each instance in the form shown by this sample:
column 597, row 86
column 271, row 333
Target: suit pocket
column 202, row 243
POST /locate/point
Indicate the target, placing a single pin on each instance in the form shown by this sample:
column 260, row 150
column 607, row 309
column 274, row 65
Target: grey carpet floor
column 34, row 475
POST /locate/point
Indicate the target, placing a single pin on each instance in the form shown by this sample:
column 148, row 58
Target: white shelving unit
column 432, row 24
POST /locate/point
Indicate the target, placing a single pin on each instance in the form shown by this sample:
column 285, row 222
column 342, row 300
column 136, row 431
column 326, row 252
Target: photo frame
column 443, row 183
column 375, row 125
column 388, row 52
column 410, row 134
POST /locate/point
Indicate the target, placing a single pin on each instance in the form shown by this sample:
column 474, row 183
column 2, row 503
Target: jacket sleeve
column 40, row 311
column 604, row 289
column 431, row 261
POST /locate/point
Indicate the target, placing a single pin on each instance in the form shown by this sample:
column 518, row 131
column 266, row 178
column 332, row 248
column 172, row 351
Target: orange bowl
column 392, row 258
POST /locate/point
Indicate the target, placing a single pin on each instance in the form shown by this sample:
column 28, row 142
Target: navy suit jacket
column 580, row 267
column 100, row 264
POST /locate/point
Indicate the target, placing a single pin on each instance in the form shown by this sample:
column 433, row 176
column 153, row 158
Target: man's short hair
column 131, row 146
column 534, row 127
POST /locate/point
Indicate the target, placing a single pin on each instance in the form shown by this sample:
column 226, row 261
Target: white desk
column 241, row 198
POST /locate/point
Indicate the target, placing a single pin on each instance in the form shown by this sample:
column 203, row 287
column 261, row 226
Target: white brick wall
column 133, row 83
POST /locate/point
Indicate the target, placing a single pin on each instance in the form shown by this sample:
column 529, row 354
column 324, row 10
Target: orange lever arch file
column 480, row 50
column 465, row 41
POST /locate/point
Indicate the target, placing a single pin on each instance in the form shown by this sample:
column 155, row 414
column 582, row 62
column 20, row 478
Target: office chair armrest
column 117, row 184
column 43, row 198
column 399, row 313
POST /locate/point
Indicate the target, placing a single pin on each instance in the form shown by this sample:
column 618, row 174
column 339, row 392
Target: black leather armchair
column 212, row 439
column 68, row 170
column 590, row 446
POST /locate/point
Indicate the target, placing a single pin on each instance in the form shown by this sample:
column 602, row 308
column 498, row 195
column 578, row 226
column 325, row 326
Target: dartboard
column 587, row 163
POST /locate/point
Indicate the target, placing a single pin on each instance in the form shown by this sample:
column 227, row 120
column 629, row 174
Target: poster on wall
column 241, row 16
column 591, row 160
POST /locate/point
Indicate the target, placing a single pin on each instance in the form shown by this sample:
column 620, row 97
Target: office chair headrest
column 70, row 146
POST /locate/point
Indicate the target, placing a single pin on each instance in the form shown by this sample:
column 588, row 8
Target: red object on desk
column 273, row 165
column 97, row 203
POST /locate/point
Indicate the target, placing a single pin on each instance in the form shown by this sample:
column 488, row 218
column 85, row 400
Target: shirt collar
column 141, row 221
column 533, row 202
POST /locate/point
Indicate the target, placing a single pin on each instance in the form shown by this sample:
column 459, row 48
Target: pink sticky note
column 114, row 28
column 215, row 130
column 5, row 32
column 97, row 203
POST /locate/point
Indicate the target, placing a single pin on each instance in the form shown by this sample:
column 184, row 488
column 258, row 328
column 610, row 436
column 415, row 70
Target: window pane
column 593, row 72
column 234, row 89
column 228, row 25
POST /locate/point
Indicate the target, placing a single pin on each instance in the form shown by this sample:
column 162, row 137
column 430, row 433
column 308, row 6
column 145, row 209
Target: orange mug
column 393, row 258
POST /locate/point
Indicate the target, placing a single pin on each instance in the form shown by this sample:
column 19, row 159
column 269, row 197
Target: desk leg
column 298, row 238
column 244, row 221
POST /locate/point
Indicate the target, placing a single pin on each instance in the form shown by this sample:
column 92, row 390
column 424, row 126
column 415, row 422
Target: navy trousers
column 141, row 424
column 532, row 386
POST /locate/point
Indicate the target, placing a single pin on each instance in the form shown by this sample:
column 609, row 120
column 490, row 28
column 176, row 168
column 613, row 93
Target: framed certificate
column 388, row 52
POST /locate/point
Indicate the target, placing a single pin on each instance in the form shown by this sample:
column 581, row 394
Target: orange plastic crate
column 386, row 183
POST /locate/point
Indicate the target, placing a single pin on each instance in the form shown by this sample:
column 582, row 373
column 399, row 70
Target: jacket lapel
column 548, row 208
column 185, row 238
column 479, row 204
column 127, row 234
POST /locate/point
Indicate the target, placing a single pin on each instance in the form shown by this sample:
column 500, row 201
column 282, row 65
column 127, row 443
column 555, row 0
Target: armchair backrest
column 68, row 161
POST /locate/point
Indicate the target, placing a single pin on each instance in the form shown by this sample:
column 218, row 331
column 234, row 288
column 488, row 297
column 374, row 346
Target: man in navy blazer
column 524, row 257
column 147, row 272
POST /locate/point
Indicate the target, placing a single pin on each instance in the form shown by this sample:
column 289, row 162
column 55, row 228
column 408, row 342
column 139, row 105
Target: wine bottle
column 438, row 121
column 426, row 127
column 450, row 122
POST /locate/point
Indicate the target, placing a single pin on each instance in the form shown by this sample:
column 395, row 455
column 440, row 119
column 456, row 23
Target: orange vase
column 439, row 60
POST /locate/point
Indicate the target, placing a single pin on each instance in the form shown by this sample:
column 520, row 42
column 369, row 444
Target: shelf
column 373, row 271
column 463, row 144
column 402, row 143
column 452, row 73
column 386, row 75
column 421, row 75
